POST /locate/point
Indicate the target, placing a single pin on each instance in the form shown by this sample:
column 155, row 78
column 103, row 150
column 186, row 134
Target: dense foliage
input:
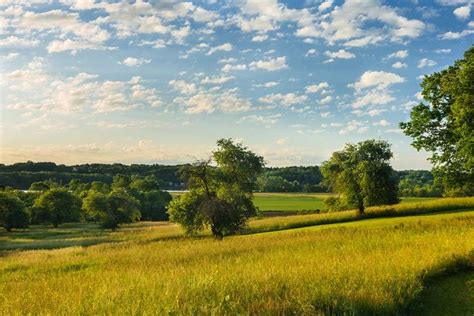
column 12, row 212
column 219, row 197
column 361, row 176
column 57, row 206
column 444, row 125
column 112, row 209
column 417, row 183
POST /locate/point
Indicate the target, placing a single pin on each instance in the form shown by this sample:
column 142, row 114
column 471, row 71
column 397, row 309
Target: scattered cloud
column 134, row 62
column 425, row 62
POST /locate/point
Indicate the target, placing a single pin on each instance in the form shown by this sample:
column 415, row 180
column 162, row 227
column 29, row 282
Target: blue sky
column 161, row 81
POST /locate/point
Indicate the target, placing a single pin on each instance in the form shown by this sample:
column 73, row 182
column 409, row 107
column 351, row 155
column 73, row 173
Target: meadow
column 334, row 263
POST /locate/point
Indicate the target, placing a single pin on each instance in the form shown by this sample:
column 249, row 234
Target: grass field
column 369, row 265
column 304, row 201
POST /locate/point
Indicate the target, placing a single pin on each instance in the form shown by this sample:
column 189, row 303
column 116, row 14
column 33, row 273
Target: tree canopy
column 361, row 175
column 444, row 125
column 220, row 196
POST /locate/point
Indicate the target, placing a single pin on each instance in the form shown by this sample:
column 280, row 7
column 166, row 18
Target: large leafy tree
column 112, row 209
column 444, row 125
column 361, row 175
column 12, row 212
column 220, row 194
column 57, row 206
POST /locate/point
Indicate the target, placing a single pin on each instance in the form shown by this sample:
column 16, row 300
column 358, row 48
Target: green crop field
column 391, row 261
column 304, row 202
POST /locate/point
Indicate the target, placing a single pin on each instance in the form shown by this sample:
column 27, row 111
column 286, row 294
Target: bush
column 12, row 212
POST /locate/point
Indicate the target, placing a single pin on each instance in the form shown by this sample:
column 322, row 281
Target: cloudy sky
column 160, row 81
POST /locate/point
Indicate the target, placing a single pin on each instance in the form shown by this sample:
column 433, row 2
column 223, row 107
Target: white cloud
column 343, row 54
column 9, row 56
column 462, row 12
column 373, row 97
column 269, row 64
column 354, row 126
column 325, row 5
column 311, row 52
column 399, row 54
column 182, row 86
column 227, row 47
column 325, row 100
column 316, row 87
column 425, row 62
column 375, row 112
column 381, row 79
column 216, row 79
column 134, row 62
column 14, row 41
column 443, row 51
column 456, row 35
column 283, row 99
column 281, row 141
column 206, row 102
column 260, row 38
column 348, row 23
column 41, row 91
column 261, row 119
column 229, row 67
column 399, row 65
column 381, row 123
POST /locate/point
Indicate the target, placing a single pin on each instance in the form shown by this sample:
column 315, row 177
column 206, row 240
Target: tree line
column 127, row 199
column 307, row 179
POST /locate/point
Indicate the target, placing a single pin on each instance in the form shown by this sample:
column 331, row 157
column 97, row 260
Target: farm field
column 373, row 265
column 304, row 201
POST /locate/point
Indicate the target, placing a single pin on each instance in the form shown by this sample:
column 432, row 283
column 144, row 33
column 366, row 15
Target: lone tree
column 444, row 125
column 112, row 209
column 12, row 212
column 361, row 175
column 57, row 206
column 220, row 195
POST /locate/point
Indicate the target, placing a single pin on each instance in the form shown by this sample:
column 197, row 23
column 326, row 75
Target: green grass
column 376, row 266
column 447, row 295
column 67, row 235
column 289, row 201
column 305, row 201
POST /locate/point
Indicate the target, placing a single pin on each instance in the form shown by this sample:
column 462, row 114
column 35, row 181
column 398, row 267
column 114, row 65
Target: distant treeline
column 285, row 179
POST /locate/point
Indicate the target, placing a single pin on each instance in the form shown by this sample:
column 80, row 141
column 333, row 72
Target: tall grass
column 347, row 269
column 407, row 209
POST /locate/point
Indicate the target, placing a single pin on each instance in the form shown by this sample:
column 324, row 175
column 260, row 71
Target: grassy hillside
column 368, row 266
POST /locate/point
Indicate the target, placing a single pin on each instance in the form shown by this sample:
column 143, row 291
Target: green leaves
column 361, row 175
column 444, row 125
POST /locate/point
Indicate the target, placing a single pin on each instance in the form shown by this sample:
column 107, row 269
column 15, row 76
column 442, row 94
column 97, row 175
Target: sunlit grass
column 361, row 267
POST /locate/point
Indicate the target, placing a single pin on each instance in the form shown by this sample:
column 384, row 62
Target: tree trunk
column 361, row 209
column 217, row 233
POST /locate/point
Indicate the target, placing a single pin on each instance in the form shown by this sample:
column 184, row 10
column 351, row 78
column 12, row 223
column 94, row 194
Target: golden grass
column 361, row 268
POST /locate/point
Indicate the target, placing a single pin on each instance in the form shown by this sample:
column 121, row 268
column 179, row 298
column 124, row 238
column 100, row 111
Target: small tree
column 361, row 175
column 12, row 212
column 58, row 206
column 219, row 197
column 112, row 209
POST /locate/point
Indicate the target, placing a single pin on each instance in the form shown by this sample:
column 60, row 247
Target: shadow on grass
column 447, row 291
column 44, row 237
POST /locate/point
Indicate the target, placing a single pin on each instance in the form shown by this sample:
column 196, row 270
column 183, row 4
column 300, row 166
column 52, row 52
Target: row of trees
column 126, row 200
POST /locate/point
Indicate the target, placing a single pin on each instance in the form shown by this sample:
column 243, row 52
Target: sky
column 160, row 81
